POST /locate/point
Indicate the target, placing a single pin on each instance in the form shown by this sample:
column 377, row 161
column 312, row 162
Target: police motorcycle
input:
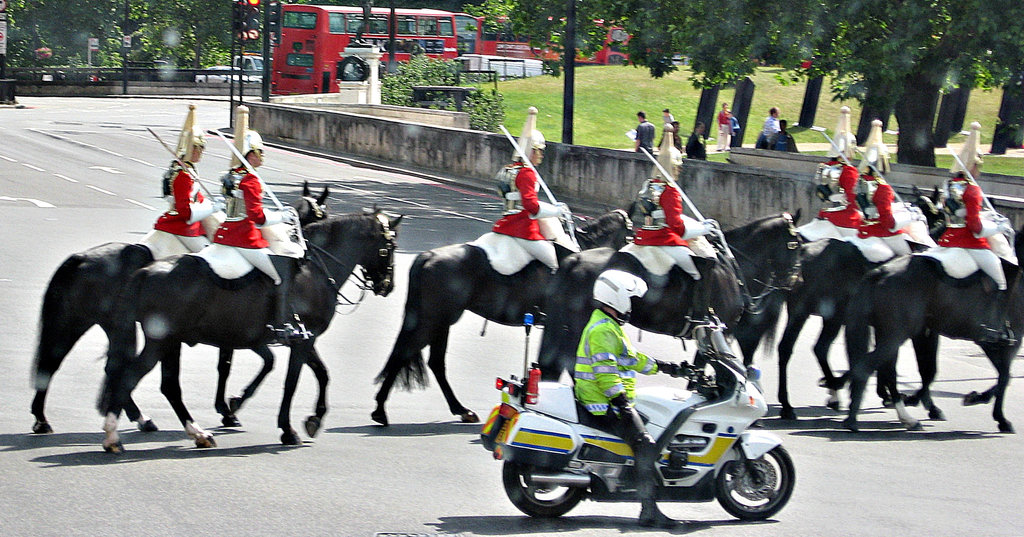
column 553, row 457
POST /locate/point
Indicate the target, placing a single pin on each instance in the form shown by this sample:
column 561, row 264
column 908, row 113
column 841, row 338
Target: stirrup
column 1004, row 336
column 288, row 334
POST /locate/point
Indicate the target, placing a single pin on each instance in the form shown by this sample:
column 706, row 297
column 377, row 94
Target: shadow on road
column 492, row 525
column 98, row 457
column 410, row 429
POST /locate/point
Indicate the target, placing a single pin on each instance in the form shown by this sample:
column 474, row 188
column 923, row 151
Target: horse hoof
column 936, row 415
column 206, row 441
column 41, row 427
column 851, row 425
column 787, row 414
column 973, row 398
column 290, row 438
column 915, row 427
column 1006, row 427
column 887, row 402
column 380, row 417
column 312, row 424
column 235, row 403
column 116, row 448
column 911, row 400
column 470, row 417
column 834, row 405
column 230, row 421
column 148, row 426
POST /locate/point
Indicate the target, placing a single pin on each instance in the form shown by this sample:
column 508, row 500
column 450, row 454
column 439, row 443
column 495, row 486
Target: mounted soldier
column 180, row 229
column 248, row 225
column 840, row 216
column 975, row 236
column 666, row 231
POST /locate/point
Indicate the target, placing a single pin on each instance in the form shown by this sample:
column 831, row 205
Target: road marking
column 107, row 169
column 98, row 189
column 37, row 203
column 140, row 204
column 36, row 168
column 8, row 159
column 140, row 161
column 66, row 178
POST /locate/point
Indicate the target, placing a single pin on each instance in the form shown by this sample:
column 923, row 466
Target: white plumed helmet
column 615, row 288
column 252, row 142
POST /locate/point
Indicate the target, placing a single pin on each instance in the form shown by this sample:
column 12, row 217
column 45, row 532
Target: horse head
column 929, row 205
column 311, row 208
column 609, row 230
column 379, row 262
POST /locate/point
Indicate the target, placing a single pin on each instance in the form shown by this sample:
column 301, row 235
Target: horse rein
column 790, row 278
column 363, row 282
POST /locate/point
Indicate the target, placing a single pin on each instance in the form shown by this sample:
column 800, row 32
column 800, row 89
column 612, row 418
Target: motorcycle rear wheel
column 756, row 489
column 537, row 501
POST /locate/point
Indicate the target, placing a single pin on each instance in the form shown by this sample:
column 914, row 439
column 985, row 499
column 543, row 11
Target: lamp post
column 124, row 52
column 569, row 66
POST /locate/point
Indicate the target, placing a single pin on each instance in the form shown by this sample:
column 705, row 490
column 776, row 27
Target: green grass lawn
column 608, row 98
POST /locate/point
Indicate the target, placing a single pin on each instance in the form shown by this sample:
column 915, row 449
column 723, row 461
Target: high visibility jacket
column 607, row 364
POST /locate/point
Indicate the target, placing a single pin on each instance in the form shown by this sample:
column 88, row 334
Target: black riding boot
column 999, row 331
column 283, row 330
column 647, row 479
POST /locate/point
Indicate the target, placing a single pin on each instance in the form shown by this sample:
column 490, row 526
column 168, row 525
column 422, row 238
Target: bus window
column 445, row 27
column 427, row 26
column 302, row 20
column 406, row 25
column 378, row 25
column 300, row 60
column 336, row 23
column 355, row 22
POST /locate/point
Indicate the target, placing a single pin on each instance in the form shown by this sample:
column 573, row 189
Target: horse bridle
column 318, row 210
column 363, row 282
column 789, row 279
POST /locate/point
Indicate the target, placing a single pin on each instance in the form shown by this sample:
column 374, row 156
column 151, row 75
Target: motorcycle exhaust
column 561, row 480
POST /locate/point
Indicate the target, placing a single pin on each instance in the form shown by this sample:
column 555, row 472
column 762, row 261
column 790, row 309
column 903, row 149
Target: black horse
column 181, row 300
column 765, row 253
column 829, row 272
column 83, row 293
column 446, row 281
column 912, row 298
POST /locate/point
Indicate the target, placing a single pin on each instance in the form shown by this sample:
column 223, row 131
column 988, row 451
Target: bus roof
column 374, row 11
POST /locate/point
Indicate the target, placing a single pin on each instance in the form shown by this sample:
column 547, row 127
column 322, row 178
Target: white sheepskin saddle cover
column 162, row 244
column 225, row 261
column 819, row 229
column 504, row 252
column 653, row 258
column 955, row 261
column 277, row 237
column 874, row 249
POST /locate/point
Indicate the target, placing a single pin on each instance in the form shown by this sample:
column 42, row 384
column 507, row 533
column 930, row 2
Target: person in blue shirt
column 782, row 140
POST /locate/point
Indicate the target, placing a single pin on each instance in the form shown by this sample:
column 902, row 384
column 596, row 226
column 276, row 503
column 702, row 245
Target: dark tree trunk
column 915, row 112
column 706, row 109
column 741, row 109
column 810, row 105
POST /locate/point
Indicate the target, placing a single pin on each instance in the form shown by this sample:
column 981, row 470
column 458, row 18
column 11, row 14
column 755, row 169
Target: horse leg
column 926, row 347
column 794, row 323
column 438, row 348
column 1002, row 358
column 49, row 355
column 887, row 386
column 407, row 350
column 316, row 364
column 268, row 365
column 228, row 418
column 860, row 371
column 121, row 386
column 829, row 331
column 170, row 386
column 297, row 357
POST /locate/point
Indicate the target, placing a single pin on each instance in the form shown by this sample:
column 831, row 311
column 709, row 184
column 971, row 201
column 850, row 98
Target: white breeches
column 989, row 263
column 194, row 244
column 260, row 258
column 543, row 251
column 898, row 244
column 684, row 258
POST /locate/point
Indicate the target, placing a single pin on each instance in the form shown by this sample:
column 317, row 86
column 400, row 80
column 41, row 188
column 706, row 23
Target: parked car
column 252, row 71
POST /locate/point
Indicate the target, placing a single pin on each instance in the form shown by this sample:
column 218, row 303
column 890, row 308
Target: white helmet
column 615, row 288
column 252, row 142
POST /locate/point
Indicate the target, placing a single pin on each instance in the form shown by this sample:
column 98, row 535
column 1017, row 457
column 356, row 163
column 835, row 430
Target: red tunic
column 850, row 217
column 244, row 233
column 520, row 224
column 879, row 227
column 175, row 221
column 671, row 201
column 963, row 237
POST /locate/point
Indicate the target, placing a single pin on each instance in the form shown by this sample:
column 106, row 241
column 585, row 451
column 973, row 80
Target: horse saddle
column 504, row 252
column 655, row 260
column 225, row 261
column 819, row 229
column 917, row 232
column 874, row 249
column 553, row 230
column 162, row 244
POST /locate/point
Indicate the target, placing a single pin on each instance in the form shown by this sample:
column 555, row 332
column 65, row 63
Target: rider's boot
column 283, row 330
column 647, row 478
column 999, row 332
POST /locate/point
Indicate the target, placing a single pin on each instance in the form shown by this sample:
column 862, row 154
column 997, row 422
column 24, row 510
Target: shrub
column 486, row 108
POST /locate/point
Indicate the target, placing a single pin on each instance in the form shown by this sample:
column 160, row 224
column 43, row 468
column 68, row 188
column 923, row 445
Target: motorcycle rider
column 245, row 216
column 605, row 375
column 523, row 208
column 188, row 206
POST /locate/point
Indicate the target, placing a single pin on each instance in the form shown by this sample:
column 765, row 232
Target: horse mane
column 359, row 225
column 602, row 230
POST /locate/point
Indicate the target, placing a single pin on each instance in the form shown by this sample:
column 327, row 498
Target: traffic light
column 247, row 17
column 274, row 21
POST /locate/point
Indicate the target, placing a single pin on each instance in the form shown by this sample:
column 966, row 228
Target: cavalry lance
column 540, row 180
column 179, row 161
column 249, row 168
column 848, row 163
column 988, row 204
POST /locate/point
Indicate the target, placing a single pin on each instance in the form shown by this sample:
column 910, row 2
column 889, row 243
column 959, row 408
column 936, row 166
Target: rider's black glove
column 669, row 368
column 620, row 401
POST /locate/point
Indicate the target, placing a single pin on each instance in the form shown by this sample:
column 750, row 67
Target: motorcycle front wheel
column 542, row 501
column 756, row 489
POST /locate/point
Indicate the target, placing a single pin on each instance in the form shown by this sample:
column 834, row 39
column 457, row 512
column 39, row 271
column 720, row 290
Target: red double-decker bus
column 313, row 39
column 503, row 42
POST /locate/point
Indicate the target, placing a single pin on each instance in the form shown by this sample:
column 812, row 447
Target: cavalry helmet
column 241, row 134
column 970, row 155
column 252, row 142
column 530, row 138
column 875, row 152
column 845, row 142
column 191, row 136
column 615, row 288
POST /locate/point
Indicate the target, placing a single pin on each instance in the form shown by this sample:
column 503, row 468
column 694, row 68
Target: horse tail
column 121, row 349
column 54, row 320
column 405, row 364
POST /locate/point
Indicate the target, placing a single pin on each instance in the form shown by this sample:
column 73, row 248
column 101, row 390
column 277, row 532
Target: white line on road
column 107, row 169
column 36, row 168
column 98, row 189
column 140, row 161
column 37, row 203
column 66, row 178
column 140, row 204
column 8, row 159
